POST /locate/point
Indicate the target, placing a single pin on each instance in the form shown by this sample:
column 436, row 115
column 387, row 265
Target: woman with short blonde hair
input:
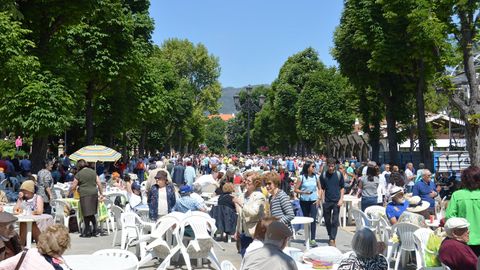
column 52, row 243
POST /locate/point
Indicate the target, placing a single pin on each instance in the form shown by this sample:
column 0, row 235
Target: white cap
column 456, row 223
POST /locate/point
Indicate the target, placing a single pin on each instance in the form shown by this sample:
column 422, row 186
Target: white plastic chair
column 116, row 213
column 362, row 220
column 60, row 212
column 375, row 211
column 407, row 243
column 57, row 193
column 421, row 237
column 202, row 245
column 227, row 265
column 162, row 246
column 120, row 253
column 112, row 196
column 132, row 228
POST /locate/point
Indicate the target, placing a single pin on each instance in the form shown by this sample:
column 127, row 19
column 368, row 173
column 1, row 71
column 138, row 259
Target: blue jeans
column 369, row 201
column 310, row 209
column 330, row 214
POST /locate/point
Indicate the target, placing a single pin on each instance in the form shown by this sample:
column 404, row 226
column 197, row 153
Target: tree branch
column 459, row 103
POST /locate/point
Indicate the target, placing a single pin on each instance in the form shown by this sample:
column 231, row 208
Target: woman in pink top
column 18, row 143
column 47, row 256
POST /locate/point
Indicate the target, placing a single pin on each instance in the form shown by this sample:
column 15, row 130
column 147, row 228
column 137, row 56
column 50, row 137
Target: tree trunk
column 391, row 129
column 424, row 145
column 125, row 147
column 39, row 152
column 143, row 138
column 472, row 134
column 374, row 141
column 89, row 112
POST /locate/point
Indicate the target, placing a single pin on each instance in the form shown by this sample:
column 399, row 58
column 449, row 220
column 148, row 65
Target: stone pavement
column 90, row 245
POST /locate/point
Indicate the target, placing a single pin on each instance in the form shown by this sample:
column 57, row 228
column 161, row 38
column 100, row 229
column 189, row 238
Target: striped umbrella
column 94, row 153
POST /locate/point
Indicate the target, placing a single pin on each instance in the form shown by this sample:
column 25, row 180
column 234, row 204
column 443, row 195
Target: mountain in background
column 228, row 105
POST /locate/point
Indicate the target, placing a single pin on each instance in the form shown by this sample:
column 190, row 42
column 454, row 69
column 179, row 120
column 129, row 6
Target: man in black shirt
column 332, row 183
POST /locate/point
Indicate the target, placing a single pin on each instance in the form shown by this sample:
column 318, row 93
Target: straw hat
column 396, row 191
column 415, row 204
column 28, row 185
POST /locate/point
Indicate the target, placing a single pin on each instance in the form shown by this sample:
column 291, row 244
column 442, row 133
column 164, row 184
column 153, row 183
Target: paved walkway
column 90, row 245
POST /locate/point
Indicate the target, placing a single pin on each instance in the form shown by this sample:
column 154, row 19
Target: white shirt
column 162, row 201
column 409, row 174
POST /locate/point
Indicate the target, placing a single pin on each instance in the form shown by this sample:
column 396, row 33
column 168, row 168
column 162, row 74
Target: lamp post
column 249, row 106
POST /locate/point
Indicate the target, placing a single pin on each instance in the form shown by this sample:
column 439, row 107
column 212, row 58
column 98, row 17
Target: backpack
column 140, row 166
column 324, row 175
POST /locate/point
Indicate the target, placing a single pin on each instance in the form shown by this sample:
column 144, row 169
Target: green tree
column 291, row 81
column 215, row 137
column 462, row 20
column 324, row 109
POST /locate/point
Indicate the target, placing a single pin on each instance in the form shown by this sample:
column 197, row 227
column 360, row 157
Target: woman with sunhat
column 416, row 212
column 29, row 203
column 454, row 251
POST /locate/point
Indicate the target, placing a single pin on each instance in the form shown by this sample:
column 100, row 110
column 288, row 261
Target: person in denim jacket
column 161, row 197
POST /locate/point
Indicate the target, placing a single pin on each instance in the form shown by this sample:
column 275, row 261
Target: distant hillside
column 228, row 106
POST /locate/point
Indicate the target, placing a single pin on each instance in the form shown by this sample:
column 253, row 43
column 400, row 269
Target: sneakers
column 313, row 243
column 331, row 243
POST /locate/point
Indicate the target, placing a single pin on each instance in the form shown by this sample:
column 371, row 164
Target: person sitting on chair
column 271, row 256
column 9, row 240
column 397, row 206
column 454, row 251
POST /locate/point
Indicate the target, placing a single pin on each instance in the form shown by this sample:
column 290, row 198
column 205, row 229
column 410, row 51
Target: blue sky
column 251, row 38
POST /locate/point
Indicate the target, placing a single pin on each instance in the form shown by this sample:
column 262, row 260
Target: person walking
column 369, row 186
column 308, row 186
column 333, row 188
column 89, row 187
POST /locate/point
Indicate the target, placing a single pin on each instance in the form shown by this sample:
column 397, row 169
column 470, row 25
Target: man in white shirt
column 410, row 177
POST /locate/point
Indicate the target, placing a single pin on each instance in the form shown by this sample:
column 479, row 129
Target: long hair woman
column 308, row 186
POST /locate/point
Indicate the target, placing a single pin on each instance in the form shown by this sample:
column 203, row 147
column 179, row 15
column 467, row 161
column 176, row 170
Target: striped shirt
column 281, row 207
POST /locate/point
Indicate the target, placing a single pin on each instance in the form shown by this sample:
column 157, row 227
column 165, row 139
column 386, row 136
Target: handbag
column 24, row 253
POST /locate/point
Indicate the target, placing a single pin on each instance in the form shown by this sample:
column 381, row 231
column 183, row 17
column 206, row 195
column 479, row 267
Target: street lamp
column 249, row 106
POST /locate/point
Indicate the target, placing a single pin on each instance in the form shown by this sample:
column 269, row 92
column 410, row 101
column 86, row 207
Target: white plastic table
column 347, row 205
column 89, row 262
column 29, row 221
column 306, row 221
column 43, row 221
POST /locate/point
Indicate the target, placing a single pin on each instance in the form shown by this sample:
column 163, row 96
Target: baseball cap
column 277, row 231
column 185, row 189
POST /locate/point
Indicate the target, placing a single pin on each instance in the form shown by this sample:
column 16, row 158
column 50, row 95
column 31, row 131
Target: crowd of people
column 261, row 192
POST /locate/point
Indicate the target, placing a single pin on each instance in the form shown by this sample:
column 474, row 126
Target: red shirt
column 457, row 255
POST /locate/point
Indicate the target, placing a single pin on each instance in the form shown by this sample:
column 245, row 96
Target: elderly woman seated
column 454, row 251
column 365, row 254
column 31, row 204
column 47, row 256
column 9, row 241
